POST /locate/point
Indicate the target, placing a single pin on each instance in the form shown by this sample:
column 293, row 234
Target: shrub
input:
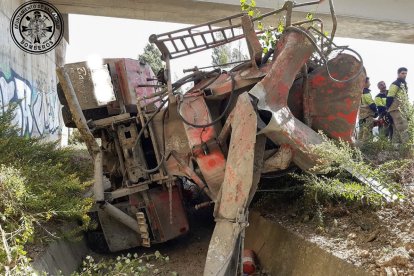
column 40, row 184
column 337, row 158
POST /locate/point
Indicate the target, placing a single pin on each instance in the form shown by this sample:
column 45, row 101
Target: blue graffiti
column 38, row 107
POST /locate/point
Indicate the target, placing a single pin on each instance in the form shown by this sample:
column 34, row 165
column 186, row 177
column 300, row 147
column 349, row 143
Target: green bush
column 40, row 185
column 16, row 226
column 336, row 159
column 130, row 264
column 334, row 188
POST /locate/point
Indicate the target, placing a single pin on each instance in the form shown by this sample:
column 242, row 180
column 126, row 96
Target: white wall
column 30, row 79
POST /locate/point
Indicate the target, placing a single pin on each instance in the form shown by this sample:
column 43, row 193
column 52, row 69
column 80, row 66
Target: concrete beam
column 178, row 11
column 370, row 19
column 397, row 11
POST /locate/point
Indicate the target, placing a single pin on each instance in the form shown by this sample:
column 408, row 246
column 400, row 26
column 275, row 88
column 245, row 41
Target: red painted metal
column 133, row 76
column 239, row 168
column 167, row 222
column 249, row 263
column 202, row 141
column 293, row 50
column 333, row 105
column 238, row 181
column 244, row 79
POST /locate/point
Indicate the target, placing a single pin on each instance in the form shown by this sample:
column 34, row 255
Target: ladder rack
column 198, row 38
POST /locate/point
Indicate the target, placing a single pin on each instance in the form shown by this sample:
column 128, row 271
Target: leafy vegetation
column 152, row 56
column 315, row 196
column 336, row 158
column 124, row 265
column 269, row 34
column 40, row 185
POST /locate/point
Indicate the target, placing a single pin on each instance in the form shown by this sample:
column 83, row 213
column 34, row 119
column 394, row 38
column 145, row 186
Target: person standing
column 367, row 113
column 385, row 130
column 397, row 93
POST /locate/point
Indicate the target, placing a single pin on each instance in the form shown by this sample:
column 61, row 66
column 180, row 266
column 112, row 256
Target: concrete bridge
column 31, row 81
column 382, row 20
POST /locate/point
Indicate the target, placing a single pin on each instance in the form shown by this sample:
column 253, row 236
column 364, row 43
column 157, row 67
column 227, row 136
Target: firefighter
column 384, row 122
column 367, row 113
column 396, row 94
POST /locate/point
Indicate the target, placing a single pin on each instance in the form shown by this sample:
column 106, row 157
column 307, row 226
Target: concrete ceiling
column 382, row 20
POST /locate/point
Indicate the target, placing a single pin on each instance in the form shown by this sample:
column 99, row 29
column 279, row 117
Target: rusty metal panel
column 295, row 99
column 222, row 86
column 132, row 76
column 334, row 105
column 166, row 221
column 185, row 170
column 132, row 152
column 202, row 141
column 175, row 136
column 293, row 49
column 81, row 78
column 239, row 167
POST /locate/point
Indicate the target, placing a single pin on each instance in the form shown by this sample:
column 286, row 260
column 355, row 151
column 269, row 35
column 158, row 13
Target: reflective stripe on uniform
column 366, row 99
column 380, row 100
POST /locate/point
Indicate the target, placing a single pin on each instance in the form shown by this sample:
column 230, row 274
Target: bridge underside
column 195, row 12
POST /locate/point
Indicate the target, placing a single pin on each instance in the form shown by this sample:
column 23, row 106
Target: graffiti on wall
column 38, row 107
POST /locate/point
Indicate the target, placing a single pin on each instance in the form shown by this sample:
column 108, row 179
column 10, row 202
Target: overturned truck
column 159, row 152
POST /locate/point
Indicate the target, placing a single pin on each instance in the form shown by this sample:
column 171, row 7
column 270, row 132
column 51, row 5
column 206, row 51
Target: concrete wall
column 30, row 79
column 61, row 256
column 281, row 252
